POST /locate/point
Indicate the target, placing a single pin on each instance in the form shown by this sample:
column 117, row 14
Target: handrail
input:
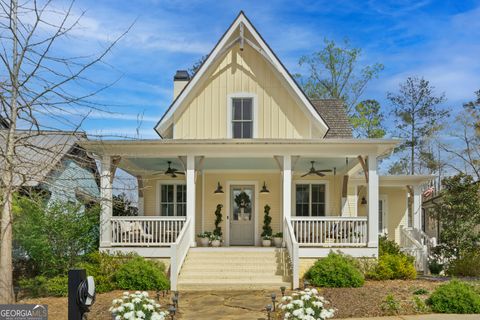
column 293, row 248
column 409, row 244
column 179, row 251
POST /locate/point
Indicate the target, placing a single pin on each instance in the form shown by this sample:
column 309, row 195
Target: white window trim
column 240, row 95
column 384, row 230
column 159, row 192
column 308, row 181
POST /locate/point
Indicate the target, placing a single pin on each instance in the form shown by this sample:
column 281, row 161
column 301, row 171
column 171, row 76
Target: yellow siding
column 204, row 115
column 396, row 209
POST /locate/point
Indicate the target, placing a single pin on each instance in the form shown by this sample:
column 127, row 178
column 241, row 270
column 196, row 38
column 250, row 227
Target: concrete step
column 215, row 268
column 199, row 286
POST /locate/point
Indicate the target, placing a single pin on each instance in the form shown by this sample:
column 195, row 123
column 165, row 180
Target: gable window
column 310, row 199
column 242, row 118
column 173, row 200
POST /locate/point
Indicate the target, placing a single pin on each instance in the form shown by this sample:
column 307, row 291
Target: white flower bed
column 136, row 306
column 306, row 305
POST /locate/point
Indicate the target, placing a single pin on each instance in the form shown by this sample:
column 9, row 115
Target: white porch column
column 372, row 201
column 105, row 201
column 190, row 177
column 287, row 186
column 417, row 208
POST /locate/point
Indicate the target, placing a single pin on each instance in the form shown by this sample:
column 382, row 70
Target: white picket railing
column 331, row 231
column 145, row 230
column 293, row 248
column 179, row 251
column 413, row 247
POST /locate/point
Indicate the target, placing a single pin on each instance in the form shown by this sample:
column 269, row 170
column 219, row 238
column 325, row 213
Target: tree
column 473, row 107
column 41, row 89
column 122, row 206
column 196, row 65
column 465, row 148
column 334, row 72
column 417, row 115
column 458, row 214
column 367, row 120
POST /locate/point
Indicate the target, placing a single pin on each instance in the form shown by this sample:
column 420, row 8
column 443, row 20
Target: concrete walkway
column 426, row 317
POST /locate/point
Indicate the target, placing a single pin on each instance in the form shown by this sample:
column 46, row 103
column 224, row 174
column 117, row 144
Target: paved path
column 426, row 317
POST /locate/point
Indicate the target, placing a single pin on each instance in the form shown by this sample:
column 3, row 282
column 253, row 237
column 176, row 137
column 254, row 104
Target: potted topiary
column 216, row 236
column 278, row 239
column 204, row 238
column 267, row 229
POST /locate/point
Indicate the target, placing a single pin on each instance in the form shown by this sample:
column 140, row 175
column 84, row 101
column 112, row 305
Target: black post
column 75, row 277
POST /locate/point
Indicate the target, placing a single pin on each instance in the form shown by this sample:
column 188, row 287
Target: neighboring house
column 53, row 162
column 243, row 125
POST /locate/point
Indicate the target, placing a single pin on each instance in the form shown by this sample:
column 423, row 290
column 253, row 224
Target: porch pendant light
column 364, row 201
column 219, row 188
column 264, row 188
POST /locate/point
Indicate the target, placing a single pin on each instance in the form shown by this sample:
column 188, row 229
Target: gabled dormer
column 241, row 91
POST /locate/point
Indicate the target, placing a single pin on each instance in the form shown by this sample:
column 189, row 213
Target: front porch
column 316, row 213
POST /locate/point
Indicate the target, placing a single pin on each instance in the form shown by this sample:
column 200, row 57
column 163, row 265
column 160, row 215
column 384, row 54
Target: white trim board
column 218, row 51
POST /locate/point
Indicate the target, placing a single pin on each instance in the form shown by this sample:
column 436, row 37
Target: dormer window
column 242, row 118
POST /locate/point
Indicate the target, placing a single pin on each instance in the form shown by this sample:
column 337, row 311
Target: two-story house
column 242, row 125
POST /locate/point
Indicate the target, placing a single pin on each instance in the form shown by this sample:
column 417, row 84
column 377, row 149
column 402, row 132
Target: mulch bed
column 368, row 300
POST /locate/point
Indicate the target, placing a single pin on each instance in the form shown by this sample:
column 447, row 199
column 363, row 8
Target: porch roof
column 241, row 147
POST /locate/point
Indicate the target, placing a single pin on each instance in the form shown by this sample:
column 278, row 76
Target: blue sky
column 439, row 40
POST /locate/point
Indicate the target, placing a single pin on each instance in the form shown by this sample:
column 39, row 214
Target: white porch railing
column 413, row 247
column 293, row 248
column 331, row 231
column 179, row 251
column 145, row 230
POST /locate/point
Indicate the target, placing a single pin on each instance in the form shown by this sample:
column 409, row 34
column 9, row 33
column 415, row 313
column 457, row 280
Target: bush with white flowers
column 136, row 306
column 306, row 305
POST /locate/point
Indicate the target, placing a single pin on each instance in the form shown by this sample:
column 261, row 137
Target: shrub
column 391, row 305
column 307, row 304
column 420, row 292
column 455, row 297
column 435, row 267
column 136, row 304
column 54, row 236
column 42, row 286
column 466, row 266
column 103, row 266
column 393, row 266
column 141, row 274
column 337, row 271
column 386, row 246
column 419, row 305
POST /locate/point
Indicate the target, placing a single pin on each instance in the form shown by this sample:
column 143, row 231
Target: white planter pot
column 266, row 243
column 203, row 242
column 215, row 243
column 277, row 242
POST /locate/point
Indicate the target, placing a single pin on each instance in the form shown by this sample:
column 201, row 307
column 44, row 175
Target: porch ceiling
column 142, row 165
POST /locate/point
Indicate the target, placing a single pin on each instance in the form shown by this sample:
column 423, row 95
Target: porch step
column 234, row 269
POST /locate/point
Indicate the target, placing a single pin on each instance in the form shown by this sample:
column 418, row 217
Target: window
column 173, row 200
column 310, row 200
column 242, row 118
column 382, row 223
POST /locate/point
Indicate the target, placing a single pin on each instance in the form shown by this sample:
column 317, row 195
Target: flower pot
column 266, row 243
column 277, row 242
column 203, row 242
column 215, row 243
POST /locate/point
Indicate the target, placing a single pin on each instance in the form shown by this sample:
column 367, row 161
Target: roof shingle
column 333, row 113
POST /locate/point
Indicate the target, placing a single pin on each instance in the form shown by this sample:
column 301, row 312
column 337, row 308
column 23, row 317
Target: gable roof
column 334, row 113
column 217, row 51
column 39, row 153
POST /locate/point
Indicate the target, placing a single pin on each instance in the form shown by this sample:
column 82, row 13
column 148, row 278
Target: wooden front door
column 242, row 215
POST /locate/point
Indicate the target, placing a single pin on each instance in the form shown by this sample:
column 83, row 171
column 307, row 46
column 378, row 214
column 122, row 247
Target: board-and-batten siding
column 205, row 114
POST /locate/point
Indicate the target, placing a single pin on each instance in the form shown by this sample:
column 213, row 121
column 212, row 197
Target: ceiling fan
column 171, row 171
column 313, row 171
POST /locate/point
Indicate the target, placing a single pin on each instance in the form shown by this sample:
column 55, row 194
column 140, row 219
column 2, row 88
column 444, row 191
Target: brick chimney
column 180, row 80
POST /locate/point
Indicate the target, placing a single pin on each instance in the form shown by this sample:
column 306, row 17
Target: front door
column 242, row 209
